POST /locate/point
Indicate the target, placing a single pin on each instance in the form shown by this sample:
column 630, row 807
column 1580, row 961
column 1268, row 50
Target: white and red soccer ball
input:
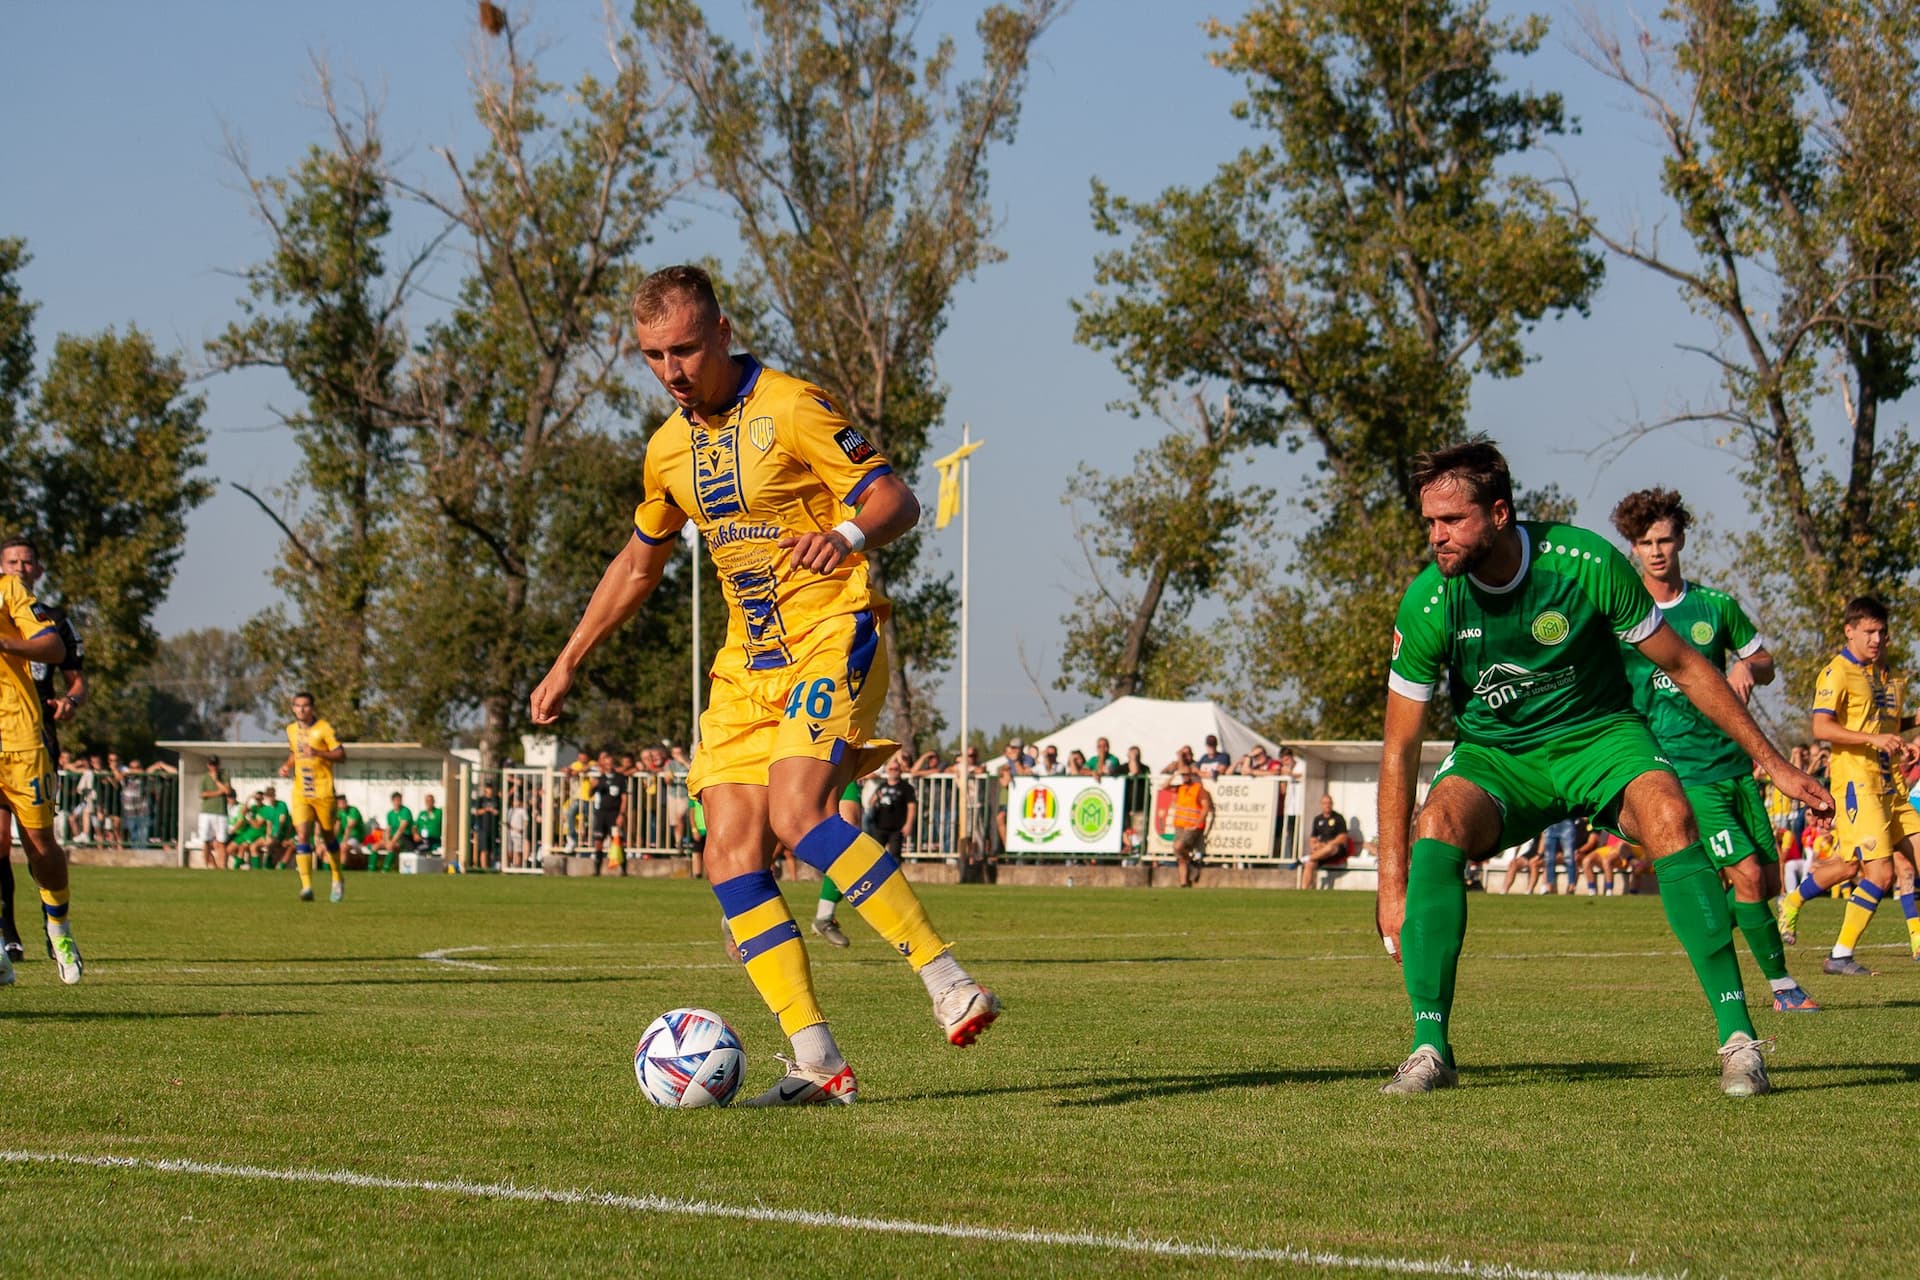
column 689, row 1058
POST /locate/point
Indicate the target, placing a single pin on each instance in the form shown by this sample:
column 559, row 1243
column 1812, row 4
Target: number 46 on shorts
column 815, row 699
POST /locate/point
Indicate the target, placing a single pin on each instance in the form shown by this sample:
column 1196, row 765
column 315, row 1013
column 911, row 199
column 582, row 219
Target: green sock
column 1762, row 932
column 829, row 891
column 1430, row 940
column 1696, row 908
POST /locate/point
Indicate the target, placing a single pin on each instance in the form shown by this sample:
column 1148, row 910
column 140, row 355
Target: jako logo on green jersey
column 1551, row 627
column 1702, row 632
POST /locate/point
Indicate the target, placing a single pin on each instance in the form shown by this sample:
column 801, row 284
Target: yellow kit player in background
column 26, row 771
column 1854, row 710
column 787, row 494
column 312, row 751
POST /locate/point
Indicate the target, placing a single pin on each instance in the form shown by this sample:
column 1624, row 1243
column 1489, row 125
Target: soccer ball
column 689, row 1058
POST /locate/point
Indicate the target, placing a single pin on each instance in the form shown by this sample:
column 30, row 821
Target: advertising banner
column 1068, row 817
column 1246, row 810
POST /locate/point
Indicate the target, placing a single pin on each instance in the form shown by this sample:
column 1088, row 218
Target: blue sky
column 117, row 175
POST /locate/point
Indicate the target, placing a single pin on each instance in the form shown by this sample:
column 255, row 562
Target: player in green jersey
column 1717, row 776
column 1525, row 619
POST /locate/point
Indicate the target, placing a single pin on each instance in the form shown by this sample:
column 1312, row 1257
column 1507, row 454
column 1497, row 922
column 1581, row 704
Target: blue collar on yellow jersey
column 749, row 376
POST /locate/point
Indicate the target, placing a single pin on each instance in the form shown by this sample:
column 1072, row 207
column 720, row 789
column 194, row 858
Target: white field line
column 674, row 1206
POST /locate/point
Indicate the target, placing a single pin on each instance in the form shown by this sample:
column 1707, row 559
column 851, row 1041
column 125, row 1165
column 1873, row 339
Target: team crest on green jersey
column 1702, row 632
column 1551, row 627
column 760, row 433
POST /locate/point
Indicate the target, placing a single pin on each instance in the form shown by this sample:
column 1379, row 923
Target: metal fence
column 135, row 810
column 544, row 811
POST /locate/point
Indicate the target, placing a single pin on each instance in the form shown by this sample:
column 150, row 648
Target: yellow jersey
column 312, row 774
column 22, row 719
column 1859, row 698
column 783, row 461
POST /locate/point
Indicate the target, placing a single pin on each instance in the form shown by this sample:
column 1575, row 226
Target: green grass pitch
column 1193, row 1072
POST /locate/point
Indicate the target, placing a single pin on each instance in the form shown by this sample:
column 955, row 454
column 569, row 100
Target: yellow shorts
column 27, row 787
column 1867, row 825
column 318, row 809
column 823, row 705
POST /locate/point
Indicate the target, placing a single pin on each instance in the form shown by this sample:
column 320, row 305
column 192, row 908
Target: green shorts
column 1733, row 820
column 1583, row 773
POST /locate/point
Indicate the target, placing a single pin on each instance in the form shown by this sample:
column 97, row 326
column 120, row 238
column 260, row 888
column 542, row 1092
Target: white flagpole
column 966, row 550
column 694, row 537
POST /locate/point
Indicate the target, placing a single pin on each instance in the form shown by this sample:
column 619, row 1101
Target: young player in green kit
column 1525, row 621
column 1717, row 776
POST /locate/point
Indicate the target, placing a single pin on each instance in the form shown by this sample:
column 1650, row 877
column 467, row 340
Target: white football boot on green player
column 67, row 956
column 1424, row 1071
column 1743, row 1074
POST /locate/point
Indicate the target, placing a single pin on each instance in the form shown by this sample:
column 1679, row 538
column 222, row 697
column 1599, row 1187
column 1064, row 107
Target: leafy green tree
column 1347, row 280
column 117, row 443
column 511, row 386
column 857, row 169
column 216, row 679
column 16, row 358
column 322, row 310
column 1791, row 148
column 1177, row 529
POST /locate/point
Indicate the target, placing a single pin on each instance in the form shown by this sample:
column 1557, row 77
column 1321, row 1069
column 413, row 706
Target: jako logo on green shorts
column 1551, row 627
column 1040, row 815
column 1092, row 814
column 1702, row 632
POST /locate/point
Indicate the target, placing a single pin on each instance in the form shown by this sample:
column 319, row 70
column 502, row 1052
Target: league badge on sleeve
column 1396, row 644
column 855, row 445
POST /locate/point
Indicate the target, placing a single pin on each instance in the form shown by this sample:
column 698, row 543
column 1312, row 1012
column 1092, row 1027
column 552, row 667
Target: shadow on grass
column 209, row 960
column 1846, row 1075
column 144, row 1015
column 1110, row 1091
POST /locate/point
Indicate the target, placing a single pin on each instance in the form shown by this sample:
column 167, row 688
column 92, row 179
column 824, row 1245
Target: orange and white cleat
column 804, row 1086
column 964, row 1010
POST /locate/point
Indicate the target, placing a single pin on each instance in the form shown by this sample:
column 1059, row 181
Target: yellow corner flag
column 949, row 469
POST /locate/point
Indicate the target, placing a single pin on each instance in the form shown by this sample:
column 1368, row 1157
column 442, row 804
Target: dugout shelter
column 369, row 775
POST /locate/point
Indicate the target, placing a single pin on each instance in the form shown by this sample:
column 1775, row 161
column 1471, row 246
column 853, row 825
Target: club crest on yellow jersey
column 760, row 434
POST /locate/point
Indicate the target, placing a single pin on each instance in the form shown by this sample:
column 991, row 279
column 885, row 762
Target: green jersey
column 1713, row 623
column 278, row 817
column 1528, row 658
column 397, row 818
column 217, row 802
column 427, row 825
column 348, row 822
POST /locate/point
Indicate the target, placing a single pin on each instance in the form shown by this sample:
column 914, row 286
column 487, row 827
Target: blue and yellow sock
column 331, row 847
column 871, row 881
column 1910, row 903
column 303, row 863
column 53, row 905
column 770, row 948
column 1861, row 904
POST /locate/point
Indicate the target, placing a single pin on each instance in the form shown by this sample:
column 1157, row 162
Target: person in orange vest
column 1192, row 819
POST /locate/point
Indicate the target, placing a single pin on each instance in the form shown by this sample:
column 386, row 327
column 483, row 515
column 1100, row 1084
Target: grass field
column 1194, row 1073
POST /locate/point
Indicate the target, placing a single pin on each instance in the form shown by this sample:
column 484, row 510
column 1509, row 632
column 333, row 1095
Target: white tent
column 1158, row 728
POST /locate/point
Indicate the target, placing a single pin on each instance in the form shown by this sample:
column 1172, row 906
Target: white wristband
column 856, row 540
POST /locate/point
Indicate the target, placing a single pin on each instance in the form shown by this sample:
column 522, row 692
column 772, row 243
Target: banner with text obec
column 1245, row 811
column 1066, row 816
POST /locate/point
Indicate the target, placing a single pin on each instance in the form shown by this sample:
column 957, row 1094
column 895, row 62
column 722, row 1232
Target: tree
column 857, row 171
column 1347, row 281
column 215, row 677
column 512, row 384
column 321, row 310
column 1179, row 528
column 16, row 357
column 116, row 445
column 1791, row 134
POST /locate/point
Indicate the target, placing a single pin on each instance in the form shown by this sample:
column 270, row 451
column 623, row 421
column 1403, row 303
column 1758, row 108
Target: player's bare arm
column 1404, row 730
column 1749, row 673
column 887, row 510
column 630, row 578
column 46, row 647
column 1830, row 730
column 1708, row 690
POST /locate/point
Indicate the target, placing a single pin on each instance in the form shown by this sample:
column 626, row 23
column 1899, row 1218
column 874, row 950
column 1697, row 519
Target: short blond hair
column 669, row 287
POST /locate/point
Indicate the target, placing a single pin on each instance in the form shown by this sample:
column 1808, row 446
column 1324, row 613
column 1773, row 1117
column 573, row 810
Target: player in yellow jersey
column 1854, row 711
column 787, row 495
column 312, row 751
column 26, row 771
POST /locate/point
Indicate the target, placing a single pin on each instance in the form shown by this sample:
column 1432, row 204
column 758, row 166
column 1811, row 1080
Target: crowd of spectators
column 105, row 800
